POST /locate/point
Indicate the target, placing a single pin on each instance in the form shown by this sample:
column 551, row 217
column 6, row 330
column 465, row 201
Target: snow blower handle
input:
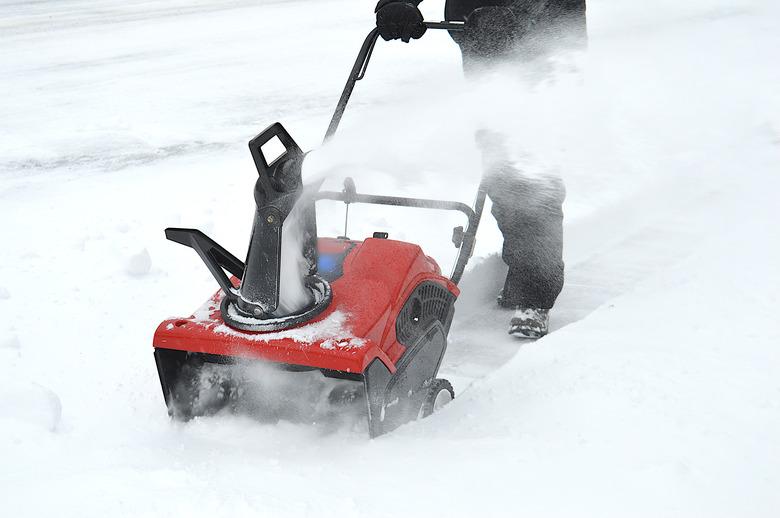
column 361, row 64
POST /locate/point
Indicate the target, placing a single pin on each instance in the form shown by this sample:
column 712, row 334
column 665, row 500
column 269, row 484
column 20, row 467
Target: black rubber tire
column 434, row 389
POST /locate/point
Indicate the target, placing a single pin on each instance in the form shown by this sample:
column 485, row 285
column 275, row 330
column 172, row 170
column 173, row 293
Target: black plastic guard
column 396, row 399
column 321, row 295
column 278, row 188
column 216, row 258
column 260, row 284
column 169, row 363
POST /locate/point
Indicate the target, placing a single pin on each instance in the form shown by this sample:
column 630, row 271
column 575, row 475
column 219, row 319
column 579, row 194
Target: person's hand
column 399, row 19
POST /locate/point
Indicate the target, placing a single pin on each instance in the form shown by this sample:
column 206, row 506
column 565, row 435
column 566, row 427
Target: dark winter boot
column 530, row 323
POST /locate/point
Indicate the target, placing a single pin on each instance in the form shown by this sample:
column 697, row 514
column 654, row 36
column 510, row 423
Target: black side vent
column 428, row 302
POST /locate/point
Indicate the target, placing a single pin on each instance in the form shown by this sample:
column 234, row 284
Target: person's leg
column 530, row 216
column 528, row 210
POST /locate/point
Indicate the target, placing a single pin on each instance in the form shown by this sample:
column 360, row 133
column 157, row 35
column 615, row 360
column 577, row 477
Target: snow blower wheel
column 439, row 394
column 377, row 320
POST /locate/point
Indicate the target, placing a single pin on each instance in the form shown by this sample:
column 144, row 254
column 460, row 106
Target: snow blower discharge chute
column 376, row 312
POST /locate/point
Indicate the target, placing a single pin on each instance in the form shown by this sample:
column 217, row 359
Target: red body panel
column 358, row 325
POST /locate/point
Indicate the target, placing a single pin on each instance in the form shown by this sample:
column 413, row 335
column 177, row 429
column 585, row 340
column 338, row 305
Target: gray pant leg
column 528, row 210
column 529, row 214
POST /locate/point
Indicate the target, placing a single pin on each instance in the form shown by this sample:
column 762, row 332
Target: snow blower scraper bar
column 382, row 324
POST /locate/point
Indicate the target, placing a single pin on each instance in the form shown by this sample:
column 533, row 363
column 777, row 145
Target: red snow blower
column 378, row 310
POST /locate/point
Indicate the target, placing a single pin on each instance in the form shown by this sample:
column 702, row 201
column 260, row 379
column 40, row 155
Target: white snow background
column 657, row 395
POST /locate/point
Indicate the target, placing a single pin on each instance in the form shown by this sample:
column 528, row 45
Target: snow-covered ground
column 657, row 395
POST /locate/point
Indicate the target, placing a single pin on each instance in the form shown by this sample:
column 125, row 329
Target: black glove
column 399, row 19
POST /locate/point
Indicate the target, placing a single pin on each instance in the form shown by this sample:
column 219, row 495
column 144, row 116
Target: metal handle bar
column 420, row 203
column 470, row 236
column 361, row 64
column 468, row 241
column 449, row 26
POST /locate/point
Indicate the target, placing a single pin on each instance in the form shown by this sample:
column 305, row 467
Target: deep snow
column 656, row 396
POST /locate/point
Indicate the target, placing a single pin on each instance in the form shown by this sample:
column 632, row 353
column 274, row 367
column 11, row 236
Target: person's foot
column 504, row 301
column 530, row 323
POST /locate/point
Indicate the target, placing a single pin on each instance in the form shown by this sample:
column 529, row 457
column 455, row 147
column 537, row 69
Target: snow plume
column 293, row 294
column 268, row 394
column 628, row 112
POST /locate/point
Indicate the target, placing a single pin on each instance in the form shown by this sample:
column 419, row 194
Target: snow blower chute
column 377, row 313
